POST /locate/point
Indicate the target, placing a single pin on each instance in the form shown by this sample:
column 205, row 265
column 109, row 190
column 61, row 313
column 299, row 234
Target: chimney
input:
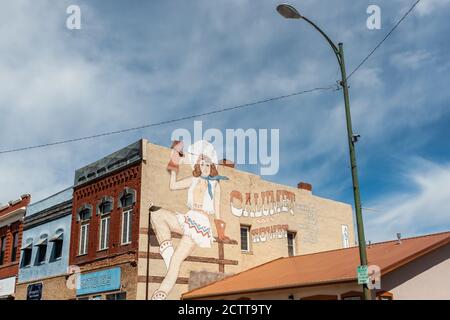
column 399, row 238
column 226, row 163
column 305, row 186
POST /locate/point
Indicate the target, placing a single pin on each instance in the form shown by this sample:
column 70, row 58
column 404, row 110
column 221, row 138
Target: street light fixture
column 289, row 12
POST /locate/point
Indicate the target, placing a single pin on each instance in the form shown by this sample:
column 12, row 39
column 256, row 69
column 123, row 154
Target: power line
column 242, row 106
column 218, row 110
column 384, row 39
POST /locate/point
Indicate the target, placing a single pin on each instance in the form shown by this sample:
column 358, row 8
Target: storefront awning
column 41, row 242
column 27, row 246
column 57, row 237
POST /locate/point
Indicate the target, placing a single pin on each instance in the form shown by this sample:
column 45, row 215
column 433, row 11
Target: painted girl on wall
column 203, row 201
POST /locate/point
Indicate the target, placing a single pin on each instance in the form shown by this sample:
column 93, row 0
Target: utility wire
column 155, row 124
column 385, row 38
column 218, row 110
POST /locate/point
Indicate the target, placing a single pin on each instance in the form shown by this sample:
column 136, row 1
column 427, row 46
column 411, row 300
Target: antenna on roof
column 399, row 238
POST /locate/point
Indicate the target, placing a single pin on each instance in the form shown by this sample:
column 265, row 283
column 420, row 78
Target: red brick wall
column 92, row 193
column 8, row 268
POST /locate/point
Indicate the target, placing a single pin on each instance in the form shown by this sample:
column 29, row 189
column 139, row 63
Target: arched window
column 57, row 240
column 104, row 209
column 127, row 198
column 84, row 212
column 105, row 206
column 27, row 250
column 84, row 215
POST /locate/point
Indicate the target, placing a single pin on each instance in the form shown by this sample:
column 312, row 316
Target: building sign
column 345, row 243
column 262, row 204
column 34, row 291
column 7, row 286
column 100, row 281
column 264, row 234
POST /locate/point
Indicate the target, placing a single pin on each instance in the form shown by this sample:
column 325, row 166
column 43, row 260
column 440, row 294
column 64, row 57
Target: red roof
column 323, row 267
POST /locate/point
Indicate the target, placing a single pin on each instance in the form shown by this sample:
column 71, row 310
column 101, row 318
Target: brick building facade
column 11, row 227
column 105, row 219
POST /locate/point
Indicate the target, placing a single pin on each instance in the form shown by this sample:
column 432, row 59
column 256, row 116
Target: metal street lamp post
column 289, row 12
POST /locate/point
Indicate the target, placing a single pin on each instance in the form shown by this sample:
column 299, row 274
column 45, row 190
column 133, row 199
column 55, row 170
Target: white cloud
column 426, row 206
column 411, row 59
column 426, row 7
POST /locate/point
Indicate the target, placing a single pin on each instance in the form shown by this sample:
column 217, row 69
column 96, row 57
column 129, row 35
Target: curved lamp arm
column 331, row 43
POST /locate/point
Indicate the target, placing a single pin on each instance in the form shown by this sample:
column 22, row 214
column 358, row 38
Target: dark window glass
column 244, row 238
column 291, row 243
column 15, row 246
column 58, row 246
column 2, row 249
column 126, row 200
column 105, row 207
column 42, row 252
column 27, row 257
column 85, row 214
column 117, row 296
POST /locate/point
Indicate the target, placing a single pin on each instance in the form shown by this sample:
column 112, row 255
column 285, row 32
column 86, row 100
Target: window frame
column 294, row 243
column 248, row 228
column 352, row 294
column 104, row 236
column 15, row 246
column 58, row 248
column 129, row 213
column 86, row 239
column 27, row 257
column 2, row 249
column 42, row 254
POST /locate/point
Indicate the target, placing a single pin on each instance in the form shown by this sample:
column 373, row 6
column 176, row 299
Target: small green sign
column 363, row 275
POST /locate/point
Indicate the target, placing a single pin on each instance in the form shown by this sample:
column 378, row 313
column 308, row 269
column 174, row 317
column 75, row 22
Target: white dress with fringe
column 195, row 224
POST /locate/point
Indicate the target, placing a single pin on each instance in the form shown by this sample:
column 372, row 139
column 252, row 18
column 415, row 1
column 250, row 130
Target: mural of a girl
column 203, row 201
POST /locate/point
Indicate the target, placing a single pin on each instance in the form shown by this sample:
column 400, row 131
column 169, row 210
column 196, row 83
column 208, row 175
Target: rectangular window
column 42, row 252
column 245, row 238
column 84, row 236
column 15, row 246
column 58, row 246
column 126, row 226
column 117, row 296
column 2, row 249
column 291, row 243
column 104, row 233
column 27, row 256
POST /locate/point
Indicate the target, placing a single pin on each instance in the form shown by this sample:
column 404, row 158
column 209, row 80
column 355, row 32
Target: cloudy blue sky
column 137, row 62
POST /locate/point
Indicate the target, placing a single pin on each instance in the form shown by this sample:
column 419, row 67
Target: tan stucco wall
column 316, row 220
column 425, row 278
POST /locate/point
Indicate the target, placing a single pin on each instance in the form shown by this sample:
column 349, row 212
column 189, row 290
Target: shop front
column 7, row 288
